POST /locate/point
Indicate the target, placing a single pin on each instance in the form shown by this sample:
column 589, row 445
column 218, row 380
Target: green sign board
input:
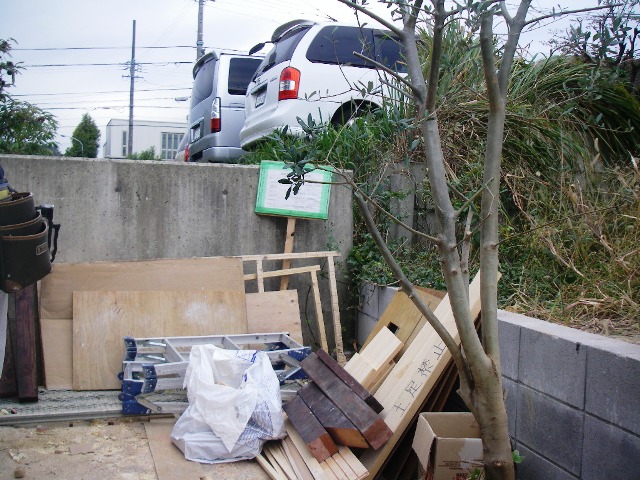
column 311, row 201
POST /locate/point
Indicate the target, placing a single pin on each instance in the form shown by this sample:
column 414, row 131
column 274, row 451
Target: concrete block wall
column 572, row 397
column 573, row 400
column 113, row 210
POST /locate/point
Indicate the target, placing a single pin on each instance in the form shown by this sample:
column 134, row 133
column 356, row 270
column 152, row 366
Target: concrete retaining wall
column 113, row 210
column 572, row 397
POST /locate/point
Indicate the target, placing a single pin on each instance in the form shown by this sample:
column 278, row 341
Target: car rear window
column 336, row 46
column 203, row 82
column 241, row 71
column 283, row 49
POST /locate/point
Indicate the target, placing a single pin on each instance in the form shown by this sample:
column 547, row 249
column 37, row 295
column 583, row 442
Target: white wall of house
column 163, row 136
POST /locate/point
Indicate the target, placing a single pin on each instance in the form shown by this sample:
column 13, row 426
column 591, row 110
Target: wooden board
column 372, row 427
column 274, row 312
column 266, row 312
column 407, row 386
column 403, row 318
column 24, row 346
column 298, row 463
column 312, row 464
column 374, row 362
column 102, row 319
column 348, row 379
column 170, row 463
column 318, row 441
column 342, row 431
column 56, row 296
column 214, row 273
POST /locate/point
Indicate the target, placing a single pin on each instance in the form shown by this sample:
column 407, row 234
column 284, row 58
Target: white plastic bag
column 234, row 405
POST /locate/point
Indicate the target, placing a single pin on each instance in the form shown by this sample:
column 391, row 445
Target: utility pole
column 199, row 42
column 132, row 74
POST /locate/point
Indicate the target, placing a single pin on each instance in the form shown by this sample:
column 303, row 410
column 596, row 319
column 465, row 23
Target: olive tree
column 477, row 359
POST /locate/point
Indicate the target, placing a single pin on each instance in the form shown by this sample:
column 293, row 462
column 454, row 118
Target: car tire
column 349, row 112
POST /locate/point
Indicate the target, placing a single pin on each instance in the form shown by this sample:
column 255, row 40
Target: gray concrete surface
column 112, row 210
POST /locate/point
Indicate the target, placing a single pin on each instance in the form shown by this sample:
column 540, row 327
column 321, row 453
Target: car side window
column 336, row 45
column 241, row 71
column 389, row 52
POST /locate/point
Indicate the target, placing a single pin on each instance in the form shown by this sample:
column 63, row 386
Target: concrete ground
column 113, row 449
column 84, row 436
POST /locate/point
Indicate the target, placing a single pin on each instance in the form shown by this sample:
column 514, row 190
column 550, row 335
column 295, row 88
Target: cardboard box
column 448, row 445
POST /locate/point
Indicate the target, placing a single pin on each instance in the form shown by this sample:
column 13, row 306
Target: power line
column 104, row 92
column 40, row 104
column 45, row 49
column 115, row 107
column 121, row 64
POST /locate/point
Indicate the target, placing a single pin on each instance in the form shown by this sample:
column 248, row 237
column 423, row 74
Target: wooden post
column 288, row 248
column 25, row 352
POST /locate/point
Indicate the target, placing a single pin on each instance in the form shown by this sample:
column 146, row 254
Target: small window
column 336, row 46
column 124, row 143
column 241, row 71
column 170, row 142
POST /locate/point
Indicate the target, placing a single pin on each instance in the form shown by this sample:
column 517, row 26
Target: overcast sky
column 75, row 53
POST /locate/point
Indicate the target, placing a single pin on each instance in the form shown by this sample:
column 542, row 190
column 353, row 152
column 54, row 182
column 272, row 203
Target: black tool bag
column 24, row 242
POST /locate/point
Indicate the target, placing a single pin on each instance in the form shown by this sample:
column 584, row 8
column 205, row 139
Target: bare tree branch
column 560, row 13
column 394, row 74
column 410, row 290
column 377, row 18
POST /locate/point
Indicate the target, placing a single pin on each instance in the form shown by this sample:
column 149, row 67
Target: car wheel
column 347, row 114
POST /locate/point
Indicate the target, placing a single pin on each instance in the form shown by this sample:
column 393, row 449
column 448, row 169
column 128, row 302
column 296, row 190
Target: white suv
column 312, row 70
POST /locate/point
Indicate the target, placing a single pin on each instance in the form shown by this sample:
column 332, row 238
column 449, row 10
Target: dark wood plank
column 316, row 438
column 8, row 382
column 25, row 352
column 373, row 428
column 348, row 379
column 341, row 429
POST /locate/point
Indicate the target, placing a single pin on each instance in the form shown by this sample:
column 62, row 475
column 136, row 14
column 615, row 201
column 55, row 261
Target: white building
column 164, row 137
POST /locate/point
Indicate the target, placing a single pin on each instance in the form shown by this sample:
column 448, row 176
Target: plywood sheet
column 57, row 351
column 56, row 296
column 277, row 311
column 102, row 319
column 212, row 273
column 171, row 464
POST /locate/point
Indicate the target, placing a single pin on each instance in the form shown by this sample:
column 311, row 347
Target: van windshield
column 283, row 49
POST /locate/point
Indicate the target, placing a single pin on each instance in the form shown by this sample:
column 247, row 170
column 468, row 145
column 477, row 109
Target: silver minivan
column 216, row 115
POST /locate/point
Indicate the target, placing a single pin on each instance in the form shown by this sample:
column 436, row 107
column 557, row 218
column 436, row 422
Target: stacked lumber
column 318, row 447
column 327, row 416
column 413, row 373
column 335, row 409
column 289, row 459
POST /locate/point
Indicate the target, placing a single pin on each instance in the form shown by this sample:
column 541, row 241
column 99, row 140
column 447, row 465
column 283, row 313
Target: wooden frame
column 260, row 275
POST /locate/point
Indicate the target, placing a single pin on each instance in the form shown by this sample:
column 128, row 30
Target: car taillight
column 186, row 153
column 216, row 122
column 289, row 84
